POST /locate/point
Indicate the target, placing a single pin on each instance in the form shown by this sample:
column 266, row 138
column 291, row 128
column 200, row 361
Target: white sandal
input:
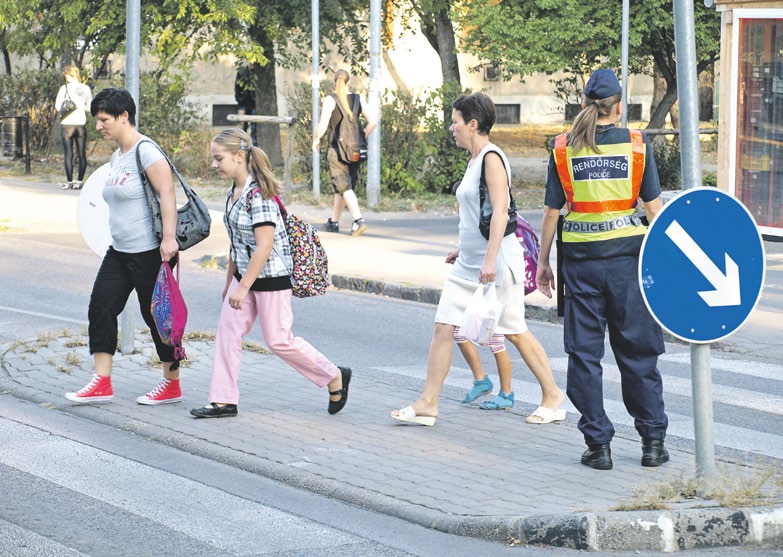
column 408, row 414
column 547, row 416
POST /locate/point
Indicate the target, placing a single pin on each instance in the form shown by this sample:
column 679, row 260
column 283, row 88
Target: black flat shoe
column 598, row 457
column 654, row 453
column 215, row 411
column 337, row 405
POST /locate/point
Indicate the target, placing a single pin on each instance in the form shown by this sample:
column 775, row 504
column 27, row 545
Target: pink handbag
column 169, row 310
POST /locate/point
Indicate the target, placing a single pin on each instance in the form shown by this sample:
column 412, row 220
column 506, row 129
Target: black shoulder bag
column 484, row 219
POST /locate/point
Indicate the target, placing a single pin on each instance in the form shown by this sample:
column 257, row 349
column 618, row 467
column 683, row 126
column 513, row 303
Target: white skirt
column 458, row 291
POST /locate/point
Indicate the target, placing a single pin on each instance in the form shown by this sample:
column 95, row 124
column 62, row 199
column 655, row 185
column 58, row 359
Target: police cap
column 602, row 85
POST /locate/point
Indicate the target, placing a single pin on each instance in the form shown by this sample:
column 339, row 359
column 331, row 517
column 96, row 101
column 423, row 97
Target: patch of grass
column 254, row 347
column 659, row 496
column 73, row 359
column 74, row 342
column 743, row 487
column 45, row 338
column 196, row 336
column 212, row 262
column 734, row 486
column 16, row 344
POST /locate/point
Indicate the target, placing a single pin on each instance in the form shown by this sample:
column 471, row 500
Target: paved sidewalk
column 460, row 476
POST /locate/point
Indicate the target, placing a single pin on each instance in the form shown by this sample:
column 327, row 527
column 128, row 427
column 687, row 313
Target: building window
column 219, row 113
column 491, row 72
column 758, row 178
column 507, row 113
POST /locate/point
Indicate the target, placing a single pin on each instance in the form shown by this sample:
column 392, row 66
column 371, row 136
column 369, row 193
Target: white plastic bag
column 481, row 315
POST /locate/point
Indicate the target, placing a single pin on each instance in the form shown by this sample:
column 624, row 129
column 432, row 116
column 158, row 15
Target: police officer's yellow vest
column 601, row 189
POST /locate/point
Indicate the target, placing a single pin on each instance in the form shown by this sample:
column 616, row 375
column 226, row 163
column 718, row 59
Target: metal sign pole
column 316, row 40
column 690, row 160
column 133, row 52
column 624, row 74
column 374, row 141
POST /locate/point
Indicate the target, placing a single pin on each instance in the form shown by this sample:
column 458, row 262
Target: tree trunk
column 706, row 93
column 393, row 73
column 7, row 60
column 6, row 54
column 266, row 98
column 447, row 46
column 674, row 114
column 659, row 89
column 666, row 68
column 658, row 117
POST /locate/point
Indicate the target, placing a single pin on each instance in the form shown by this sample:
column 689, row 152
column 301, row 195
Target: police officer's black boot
column 598, row 457
column 653, row 452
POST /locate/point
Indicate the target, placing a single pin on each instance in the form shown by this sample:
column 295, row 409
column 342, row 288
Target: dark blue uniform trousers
column 606, row 292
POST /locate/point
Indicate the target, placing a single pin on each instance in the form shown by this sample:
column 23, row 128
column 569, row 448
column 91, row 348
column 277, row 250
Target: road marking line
column 753, row 400
column 46, row 315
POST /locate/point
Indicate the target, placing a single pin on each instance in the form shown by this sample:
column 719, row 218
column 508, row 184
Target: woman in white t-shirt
column 134, row 258
column 477, row 260
column 72, row 126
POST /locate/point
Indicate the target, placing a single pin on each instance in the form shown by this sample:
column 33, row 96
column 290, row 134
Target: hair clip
column 245, row 146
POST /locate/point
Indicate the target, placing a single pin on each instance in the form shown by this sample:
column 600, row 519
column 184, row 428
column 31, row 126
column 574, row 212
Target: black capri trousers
column 119, row 275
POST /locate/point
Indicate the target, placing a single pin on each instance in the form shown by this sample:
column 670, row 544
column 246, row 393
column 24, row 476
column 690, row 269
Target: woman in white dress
column 500, row 259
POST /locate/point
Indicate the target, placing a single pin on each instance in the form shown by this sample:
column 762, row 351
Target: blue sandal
column 501, row 402
column 480, row 388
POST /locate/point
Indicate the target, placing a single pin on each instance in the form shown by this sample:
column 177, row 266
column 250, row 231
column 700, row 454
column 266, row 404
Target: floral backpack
column 310, row 275
column 169, row 310
column 529, row 241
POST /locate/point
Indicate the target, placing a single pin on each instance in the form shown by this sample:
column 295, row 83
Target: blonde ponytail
column 341, row 78
column 583, row 130
column 262, row 171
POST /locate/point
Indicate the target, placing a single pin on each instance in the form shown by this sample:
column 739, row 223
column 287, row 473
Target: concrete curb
column 666, row 530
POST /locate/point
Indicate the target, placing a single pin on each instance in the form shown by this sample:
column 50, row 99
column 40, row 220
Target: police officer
column 598, row 171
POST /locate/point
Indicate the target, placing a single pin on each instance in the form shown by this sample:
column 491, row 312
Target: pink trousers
column 273, row 310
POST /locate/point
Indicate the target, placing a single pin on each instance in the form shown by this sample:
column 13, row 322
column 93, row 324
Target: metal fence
column 15, row 139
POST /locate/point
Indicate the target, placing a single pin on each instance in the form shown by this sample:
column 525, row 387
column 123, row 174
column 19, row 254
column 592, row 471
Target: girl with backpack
column 258, row 281
column 340, row 111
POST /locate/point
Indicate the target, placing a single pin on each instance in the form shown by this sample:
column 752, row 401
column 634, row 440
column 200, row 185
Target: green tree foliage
column 179, row 32
column 528, row 36
column 33, row 93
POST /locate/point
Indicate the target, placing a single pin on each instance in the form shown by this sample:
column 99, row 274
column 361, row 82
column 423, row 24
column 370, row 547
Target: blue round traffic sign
column 702, row 265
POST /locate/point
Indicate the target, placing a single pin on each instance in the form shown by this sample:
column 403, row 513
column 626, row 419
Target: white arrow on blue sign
column 702, row 265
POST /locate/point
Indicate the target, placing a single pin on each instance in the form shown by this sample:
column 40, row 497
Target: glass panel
column 759, row 176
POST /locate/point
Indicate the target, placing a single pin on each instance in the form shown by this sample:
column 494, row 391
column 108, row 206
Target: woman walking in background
column 73, row 127
column 344, row 175
column 258, row 281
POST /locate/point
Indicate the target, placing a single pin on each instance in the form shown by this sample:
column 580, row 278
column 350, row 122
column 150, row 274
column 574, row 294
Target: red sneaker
column 97, row 390
column 166, row 392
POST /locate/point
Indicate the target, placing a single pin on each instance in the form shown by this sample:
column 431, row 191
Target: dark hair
column 114, row 101
column 478, row 107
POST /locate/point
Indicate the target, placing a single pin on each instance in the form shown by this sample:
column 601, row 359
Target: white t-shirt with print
column 130, row 221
